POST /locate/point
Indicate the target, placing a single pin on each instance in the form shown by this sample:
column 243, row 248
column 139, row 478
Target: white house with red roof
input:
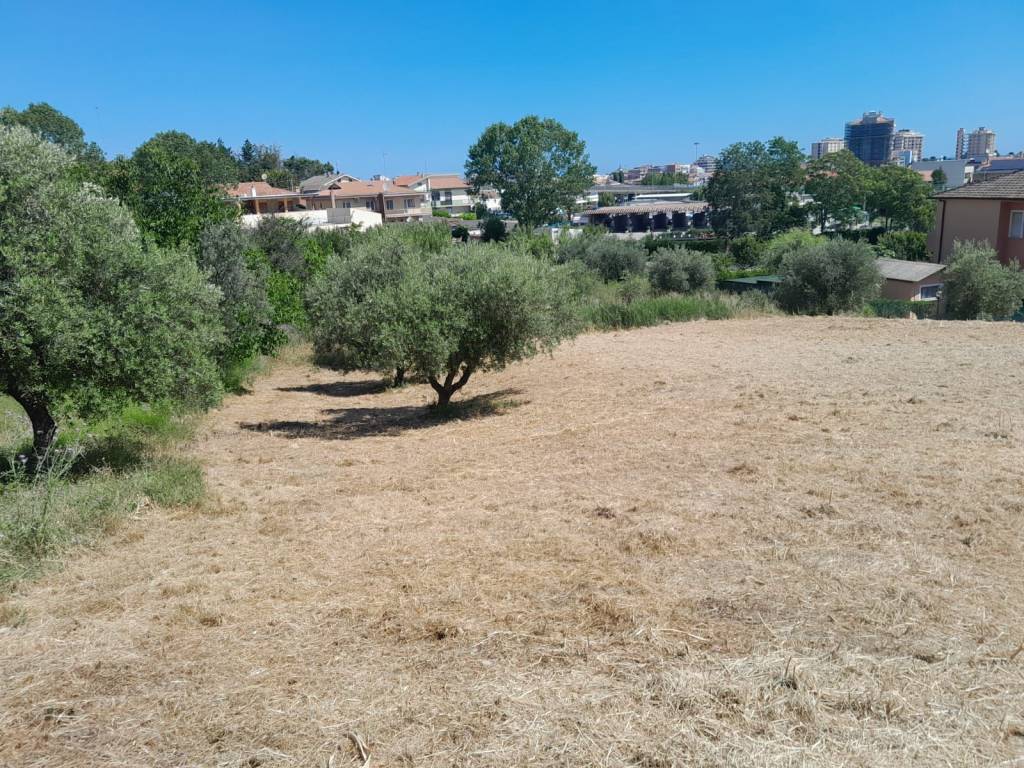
column 444, row 191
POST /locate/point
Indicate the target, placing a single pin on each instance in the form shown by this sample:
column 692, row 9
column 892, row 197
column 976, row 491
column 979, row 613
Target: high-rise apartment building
column 870, row 138
column 826, row 147
column 961, row 144
column 981, row 143
column 907, row 144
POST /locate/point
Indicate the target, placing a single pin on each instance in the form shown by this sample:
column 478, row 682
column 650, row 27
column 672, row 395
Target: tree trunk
column 44, row 428
column 450, row 386
column 399, row 379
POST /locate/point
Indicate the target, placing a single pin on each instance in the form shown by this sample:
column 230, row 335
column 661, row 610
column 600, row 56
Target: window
column 930, row 291
column 369, row 204
column 410, row 203
column 1017, row 225
column 390, row 204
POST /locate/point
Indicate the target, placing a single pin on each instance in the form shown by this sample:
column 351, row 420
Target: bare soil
column 771, row 542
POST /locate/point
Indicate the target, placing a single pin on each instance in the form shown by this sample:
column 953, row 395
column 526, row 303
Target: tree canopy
column 900, row 197
column 978, row 286
column 838, row 183
column 539, row 167
column 393, row 306
column 92, row 316
column 753, row 188
column 828, row 277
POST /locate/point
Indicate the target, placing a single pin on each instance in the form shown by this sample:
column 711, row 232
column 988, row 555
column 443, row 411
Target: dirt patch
column 766, row 542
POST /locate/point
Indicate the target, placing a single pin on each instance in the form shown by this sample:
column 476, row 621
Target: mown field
column 775, row 541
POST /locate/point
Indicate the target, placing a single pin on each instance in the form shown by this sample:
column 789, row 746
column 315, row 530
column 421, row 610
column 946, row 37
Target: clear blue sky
column 348, row 82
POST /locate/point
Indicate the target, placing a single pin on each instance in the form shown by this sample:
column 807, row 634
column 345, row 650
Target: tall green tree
column 54, row 126
column 92, row 316
column 171, row 185
column 838, row 183
column 753, row 188
column 539, row 167
column 939, row 179
column 900, row 197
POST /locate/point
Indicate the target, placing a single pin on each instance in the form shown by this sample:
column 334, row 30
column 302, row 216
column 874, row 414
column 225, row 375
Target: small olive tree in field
column 365, row 305
column 677, row 270
column 91, row 317
column 443, row 316
column 978, row 286
column 828, row 277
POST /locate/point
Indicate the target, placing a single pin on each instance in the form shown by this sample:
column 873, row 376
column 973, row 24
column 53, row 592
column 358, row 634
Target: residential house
column 988, row 211
column 444, row 191
column 393, row 201
column 910, row 280
column 958, row 172
column 324, row 181
column 258, row 197
column 998, row 166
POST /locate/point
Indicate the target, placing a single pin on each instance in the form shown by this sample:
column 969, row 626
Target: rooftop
column 907, row 271
column 254, row 189
column 437, row 180
column 1009, row 187
column 364, row 188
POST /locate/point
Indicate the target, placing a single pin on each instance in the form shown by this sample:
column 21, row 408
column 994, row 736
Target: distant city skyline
column 333, row 89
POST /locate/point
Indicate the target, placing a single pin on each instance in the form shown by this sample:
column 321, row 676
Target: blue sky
column 350, row 83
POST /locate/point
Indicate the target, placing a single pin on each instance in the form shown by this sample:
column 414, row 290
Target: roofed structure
column 907, row 271
column 324, row 181
column 1009, row 187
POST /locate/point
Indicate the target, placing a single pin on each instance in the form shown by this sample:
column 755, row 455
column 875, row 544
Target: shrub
column 494, row 230
column 828, row 277
column 460, row 233
column 896, row 308
column 440, row 213
column 746, row 250
column 677, row 270
column 245, row 309
column 775, row 250
column 538, row 245
column 613, row 259
column 978, row 286
column 92, row 316
column 659, row 309
column 909, row 246
column 468, row 216
column 282, row 242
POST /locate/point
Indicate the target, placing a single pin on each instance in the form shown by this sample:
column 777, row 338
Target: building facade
column 907, row 145
column 990, row 212
column 981, row 144
column 444, row 191
column 826, row 147
column 870, row 138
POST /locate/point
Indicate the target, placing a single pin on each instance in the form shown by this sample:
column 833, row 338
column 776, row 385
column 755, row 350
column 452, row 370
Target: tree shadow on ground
column 354, row 423
column 341, row 388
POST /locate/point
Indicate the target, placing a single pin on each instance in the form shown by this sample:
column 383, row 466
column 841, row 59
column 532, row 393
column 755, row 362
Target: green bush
column 746, row 251
column 908, row 245
column 979, row 287
column 494, row 230
column 613, row 259
column 468, row 216
column 777, row 248
column 460, row 233
column 440, row 213
column 828, row 277
column 677, row 270
column 895, row 308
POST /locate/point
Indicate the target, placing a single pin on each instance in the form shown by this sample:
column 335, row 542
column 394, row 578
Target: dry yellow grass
column 772, row 542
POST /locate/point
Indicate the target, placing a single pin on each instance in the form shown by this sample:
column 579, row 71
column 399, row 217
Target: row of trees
column 754, row 191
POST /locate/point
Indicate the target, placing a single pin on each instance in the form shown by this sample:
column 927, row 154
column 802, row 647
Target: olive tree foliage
column 225, row 253
column 613, row 259
column 92, row 317
column 677, row 270
column 54, row 126
column 539, row 166
column 828, row 277
column 978, row 286
column 391, row 306
column 774, row 252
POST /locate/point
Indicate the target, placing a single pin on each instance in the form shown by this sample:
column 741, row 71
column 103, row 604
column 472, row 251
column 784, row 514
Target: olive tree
column 978, row 286
column 828, row 277
column 677, row 270
column 91, row 316
column 444, row 316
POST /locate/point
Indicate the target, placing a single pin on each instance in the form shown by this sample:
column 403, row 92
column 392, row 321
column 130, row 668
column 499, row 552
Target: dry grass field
column 771, row 542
